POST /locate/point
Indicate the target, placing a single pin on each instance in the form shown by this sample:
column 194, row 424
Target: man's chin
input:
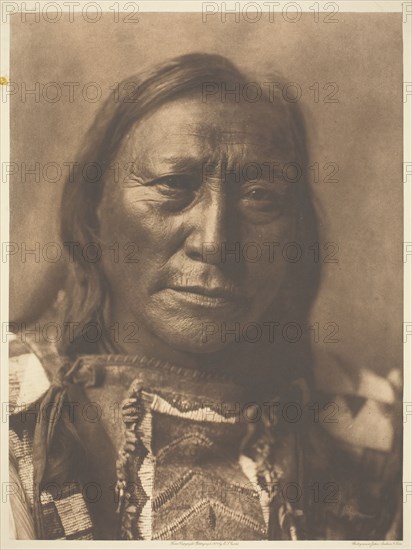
column 186, row 334
column 192, row 341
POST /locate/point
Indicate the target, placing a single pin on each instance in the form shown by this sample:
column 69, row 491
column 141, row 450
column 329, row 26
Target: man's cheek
column 145, row 220
column 265, row 276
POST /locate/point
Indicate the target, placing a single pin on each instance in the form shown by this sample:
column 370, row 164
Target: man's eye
column 260, row 204
column 261, row 198
column 259, row 195
column 175, row 184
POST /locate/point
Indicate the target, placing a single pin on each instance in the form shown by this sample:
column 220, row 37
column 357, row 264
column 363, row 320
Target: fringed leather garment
column 120, row 447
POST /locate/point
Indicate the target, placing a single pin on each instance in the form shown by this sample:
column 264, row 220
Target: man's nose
column 210, row 227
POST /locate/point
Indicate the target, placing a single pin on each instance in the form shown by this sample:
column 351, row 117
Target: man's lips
column 205, row 296
column 211, row 292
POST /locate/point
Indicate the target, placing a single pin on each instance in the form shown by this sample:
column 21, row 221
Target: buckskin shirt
column 121, row 447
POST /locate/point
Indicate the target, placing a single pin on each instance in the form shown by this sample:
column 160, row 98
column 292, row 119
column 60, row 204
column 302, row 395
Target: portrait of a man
column 169, row 408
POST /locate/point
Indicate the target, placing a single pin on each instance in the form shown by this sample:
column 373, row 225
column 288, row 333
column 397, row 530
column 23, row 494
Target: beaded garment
column 143, row 450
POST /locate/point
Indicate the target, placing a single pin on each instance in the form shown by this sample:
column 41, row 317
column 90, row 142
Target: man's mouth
column 212, row 292
column 206, row 296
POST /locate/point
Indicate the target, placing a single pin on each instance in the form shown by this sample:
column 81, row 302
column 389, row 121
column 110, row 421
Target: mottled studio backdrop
column 362, row 134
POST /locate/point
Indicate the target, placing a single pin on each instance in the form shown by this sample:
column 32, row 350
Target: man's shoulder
column 33, row 366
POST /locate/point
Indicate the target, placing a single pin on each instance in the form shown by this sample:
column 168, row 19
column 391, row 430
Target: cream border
column 359, row 6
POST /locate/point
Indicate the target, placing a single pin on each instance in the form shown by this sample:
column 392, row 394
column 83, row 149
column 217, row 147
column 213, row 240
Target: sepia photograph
column 205, row 273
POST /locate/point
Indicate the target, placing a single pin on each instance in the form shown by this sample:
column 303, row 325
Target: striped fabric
column 63, row 508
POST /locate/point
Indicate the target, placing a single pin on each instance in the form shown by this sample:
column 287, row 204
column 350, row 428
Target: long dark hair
column 87, row 290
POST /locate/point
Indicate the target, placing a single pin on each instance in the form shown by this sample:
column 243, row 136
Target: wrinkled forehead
column 212, row 129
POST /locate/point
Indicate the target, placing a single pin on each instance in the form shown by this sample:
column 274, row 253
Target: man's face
column 200, row 193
